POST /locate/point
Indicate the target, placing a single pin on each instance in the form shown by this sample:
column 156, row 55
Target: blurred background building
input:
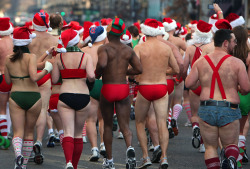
column 129, row 10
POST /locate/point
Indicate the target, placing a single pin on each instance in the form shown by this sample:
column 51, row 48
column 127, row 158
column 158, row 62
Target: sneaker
column 202, row 148
column 188, row 124
column 222, row 156
column 156, row 155
column 120, row 135
column 69, row 166
column 132, row 113
column 51, row 142
column 131, row 160
column 171, row 132
column 164, row 163
column 19, row 162
column 115, row 123
column 37, row 148
column 103, row 150
column 145, row 162
column 174, row 127
column 196, row 138
column 245, row 157
column 84, row 139
column 229, row 163
column 106, row 164
column 95, row 155
column 151, row 147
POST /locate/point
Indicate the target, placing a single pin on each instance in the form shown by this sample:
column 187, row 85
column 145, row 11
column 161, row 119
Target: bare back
column 6, row 48
column 92, row 51
column 229, row 73
column 155, row 57
column 119, row 56
column 178, row 42
column 42, row 42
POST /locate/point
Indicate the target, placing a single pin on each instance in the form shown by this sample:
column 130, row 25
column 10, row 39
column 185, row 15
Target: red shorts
column 197, row 91
column 170, row 85
column 153, row 92
column 53, row 101
column 44, row 79
column 115, row 92
column 4, row 87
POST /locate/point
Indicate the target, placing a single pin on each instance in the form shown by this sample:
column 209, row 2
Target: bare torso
column 92, row 51
column 178, row 42
column 6, row 48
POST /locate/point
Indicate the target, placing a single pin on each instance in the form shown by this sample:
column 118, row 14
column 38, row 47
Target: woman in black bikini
column 24, row 103
column 75, row 68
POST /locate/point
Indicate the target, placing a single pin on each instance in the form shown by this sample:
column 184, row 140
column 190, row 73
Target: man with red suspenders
column 219, row 75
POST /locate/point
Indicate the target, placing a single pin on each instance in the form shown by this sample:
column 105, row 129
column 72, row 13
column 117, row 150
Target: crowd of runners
column 83, row 81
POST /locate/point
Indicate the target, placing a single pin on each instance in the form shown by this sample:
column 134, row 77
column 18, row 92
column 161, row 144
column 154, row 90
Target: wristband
column 219, row 12
column 47, row 52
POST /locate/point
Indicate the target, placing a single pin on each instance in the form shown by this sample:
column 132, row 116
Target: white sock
column 155, row 148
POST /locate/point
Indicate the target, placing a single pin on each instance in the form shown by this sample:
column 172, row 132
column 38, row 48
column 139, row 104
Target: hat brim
column 21, row 42
column 7, row 32
column 39, row 28
column 169, row 26
column 238, row 22
column 147, row 30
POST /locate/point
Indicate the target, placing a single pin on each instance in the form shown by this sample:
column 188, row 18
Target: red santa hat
column 86, row 37
column 41, row 21
column 74, row 26
column 5, row 27
column 137, row 24
column 161, row 28
column 203, row 32
column 235, row 20
column 105, row 22
column 169, row 24
column 64, row 23
column 126, row 38
column 29, row 24
column 142, row 39
column 221, row 24
column 150, row 27
column 213, row 19
column 193, row 24
column 22, row 36
column 184, row 32
column 68, row 38
column 178, row 28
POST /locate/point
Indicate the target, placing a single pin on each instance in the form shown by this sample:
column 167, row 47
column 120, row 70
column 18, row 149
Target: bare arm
column 34, row 76
column 41, row 60
column 136, row 65
column 217, row 9
column 192, row 80
column 90, row 68
column 186, row 63
column 173, row 63
column 102, row 61
column 55, row 74
column 6, row 73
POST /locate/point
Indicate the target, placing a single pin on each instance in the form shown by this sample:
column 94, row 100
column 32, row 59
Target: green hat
column 118, row 27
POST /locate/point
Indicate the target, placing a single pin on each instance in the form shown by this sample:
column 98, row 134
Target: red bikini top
column 216, row 75
column 73, row 73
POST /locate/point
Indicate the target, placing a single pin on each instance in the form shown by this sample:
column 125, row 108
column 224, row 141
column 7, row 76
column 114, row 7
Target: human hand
column 216, row 7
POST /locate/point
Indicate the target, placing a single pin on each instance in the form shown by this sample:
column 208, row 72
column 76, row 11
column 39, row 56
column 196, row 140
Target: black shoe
column 19, row 162
column 174, row 127
column 222, row 155
column 131, row 160
column 171, row 132
column 196, row 139
column 229, row 163
column 156, row 155
column 38, row 159
column 115, row 123
column 245, row 157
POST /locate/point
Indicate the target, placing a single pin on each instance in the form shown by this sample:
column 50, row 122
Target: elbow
column 139, row 71
column 91, row 77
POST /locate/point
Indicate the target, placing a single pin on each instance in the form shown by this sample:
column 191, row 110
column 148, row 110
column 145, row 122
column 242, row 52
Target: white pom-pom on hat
column 49, row 29
column 90, row 44
column 32, row 35
column 125, row 37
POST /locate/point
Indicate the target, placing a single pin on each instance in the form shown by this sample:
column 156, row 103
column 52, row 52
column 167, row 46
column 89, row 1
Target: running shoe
column 245, row 157
column 163, row 163
column 106, row 164
column 171, row 132
column 103, row 150
column 229, row 163
column 69, row 166
column 115, row 123
column 174, row 126
column 151, row 147
column 95, row 155
column 145, row 162
column 131, row 160
column 120, row 135
column 37, row 148
column 196, row 138
column 84, row 139
column 132, row 113
column 156, row 155
column 51, row 142
column 188, row 124
column 19, row 162
column 202, row 148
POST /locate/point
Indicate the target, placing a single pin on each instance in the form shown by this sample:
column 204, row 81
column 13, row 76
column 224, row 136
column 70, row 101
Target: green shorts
column 244, row 104
column 96, row 91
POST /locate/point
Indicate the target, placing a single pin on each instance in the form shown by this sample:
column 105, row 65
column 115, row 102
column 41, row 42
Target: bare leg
column 101, row 124
column 195, row 103
column 152, row 126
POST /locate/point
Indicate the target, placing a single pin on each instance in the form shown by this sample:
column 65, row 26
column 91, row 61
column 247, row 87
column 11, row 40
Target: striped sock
column 177, row 111
column 27, row 148
column 188, row 110
column 61, row 136
column 84, row 129
column 3, row 126
column 241, row 145
column 169, row 117
column 17, row 145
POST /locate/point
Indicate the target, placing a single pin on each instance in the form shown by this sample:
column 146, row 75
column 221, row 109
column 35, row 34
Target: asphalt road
column 181, row 154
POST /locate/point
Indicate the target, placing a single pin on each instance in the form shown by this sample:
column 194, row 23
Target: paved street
column 181, row 155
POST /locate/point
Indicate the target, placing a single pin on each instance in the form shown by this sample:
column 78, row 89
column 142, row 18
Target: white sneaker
column 102, row 150
column 69, row 166
column 120, row 135
column 95, row 154
column 188, row 124
column 202, row 148
column 84, row 139
column 108, row 165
